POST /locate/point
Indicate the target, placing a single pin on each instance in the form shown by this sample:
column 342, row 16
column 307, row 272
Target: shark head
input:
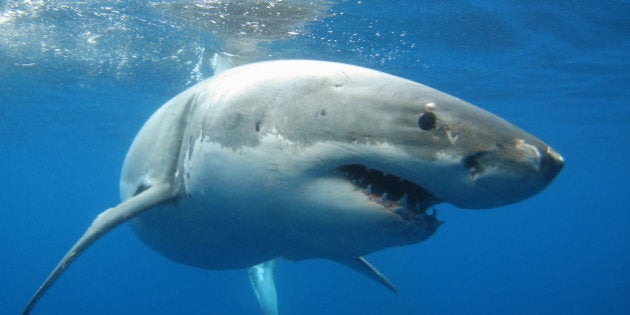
column 486, row 162
column 431, row 142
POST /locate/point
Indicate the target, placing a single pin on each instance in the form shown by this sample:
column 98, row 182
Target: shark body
column 300, row 159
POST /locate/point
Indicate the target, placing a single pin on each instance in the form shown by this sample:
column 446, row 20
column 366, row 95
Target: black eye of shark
column 394, row 194
column 427, row 121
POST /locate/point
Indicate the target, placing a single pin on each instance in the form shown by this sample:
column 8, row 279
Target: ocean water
column 78, row 80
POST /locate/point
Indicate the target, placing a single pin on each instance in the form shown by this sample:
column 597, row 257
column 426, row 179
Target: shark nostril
column 472, row 164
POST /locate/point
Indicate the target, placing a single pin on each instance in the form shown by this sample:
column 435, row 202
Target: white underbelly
column 211, row 233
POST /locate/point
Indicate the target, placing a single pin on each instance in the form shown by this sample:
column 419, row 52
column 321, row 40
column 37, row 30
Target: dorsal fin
column 362, row 265
column 105, row 222
column 221, row 62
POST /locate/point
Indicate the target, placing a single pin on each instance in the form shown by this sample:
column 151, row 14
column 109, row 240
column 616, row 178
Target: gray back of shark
column 306, row 159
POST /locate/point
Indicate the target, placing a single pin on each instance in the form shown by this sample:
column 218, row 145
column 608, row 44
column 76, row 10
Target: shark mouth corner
column 396, row 195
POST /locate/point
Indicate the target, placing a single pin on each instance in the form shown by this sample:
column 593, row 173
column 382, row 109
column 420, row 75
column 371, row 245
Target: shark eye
column 427, row 121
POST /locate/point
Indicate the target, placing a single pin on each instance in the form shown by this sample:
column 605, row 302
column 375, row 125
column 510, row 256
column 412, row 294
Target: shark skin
column 303, row 159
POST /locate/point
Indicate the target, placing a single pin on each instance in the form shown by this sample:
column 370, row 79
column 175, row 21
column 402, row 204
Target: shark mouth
column 396, row 195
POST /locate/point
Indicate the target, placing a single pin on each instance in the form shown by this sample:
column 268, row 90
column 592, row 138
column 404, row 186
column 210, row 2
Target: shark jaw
column 394, row 194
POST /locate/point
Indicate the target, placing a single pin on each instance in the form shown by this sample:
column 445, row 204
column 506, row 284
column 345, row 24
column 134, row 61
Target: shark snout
column 551, row 162
column 544, row 160
column 508, row 174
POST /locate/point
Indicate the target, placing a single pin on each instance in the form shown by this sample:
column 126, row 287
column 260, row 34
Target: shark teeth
column 404, row 200
column 394, row 194
column 368, row 190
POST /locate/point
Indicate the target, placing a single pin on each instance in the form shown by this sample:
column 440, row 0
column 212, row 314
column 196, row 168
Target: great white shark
column 301, row 159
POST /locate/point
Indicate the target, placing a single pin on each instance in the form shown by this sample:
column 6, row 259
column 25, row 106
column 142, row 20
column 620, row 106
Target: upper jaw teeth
column 402, row 206
column 393, row 193
column 404, row 200
column 408, row 212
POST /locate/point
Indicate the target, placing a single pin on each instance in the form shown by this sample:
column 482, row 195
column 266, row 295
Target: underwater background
column 78, row 80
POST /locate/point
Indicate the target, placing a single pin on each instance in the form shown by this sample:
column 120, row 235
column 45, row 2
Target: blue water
column 78, row 80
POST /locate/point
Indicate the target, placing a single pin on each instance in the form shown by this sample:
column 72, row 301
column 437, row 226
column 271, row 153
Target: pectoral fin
column 363, row 266
column 103, row 223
